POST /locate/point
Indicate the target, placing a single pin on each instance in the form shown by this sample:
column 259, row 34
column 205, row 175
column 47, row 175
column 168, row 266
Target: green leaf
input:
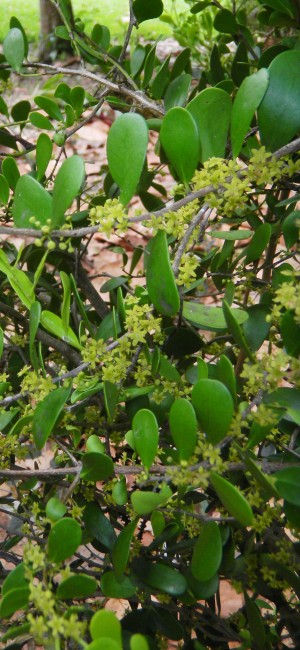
column 145, row 436
column 53, row 323
column 40, row 121
column 138, row 642
column 232, row 499
column 290, row 332
column 94, row 444
column 179, row 138
column 225, row 22
column 66, row 187
column 14, row 22
column 289, row 398
column 256, row 328
column 105, row 643
column 183, row 427
column 214, row 408
column 177, row 91
column 126, row 152
column 43, row 154
column 235, row 329
column 210, row 318
column 47, row 414
column 66, row 303
column 207, row 553
column 255, row 622
column 225, row 374
column 34, row 321
column 98, row 526
column 64, row 539
column 290, row 229
column 10, row 171
column 3, row 108
column 14, row 48
column 145, row 502
column 55, row 509
column 258, row 243
column 161, row 577
column 30, row 200
column 4, row 190
column 15, row 579
column 1, row 341
column 13, row 601
column 105, row 624
column 20, row 111
column 111, row 397
column 96, row 467
column 278, row 114
column 78, row 586
column 119, row 492
column 121, row 548
column 287, row 482
column 49, row 106
column 147, row 10
column 115, row 586
column 231, row 235
column 248, row 99
column 160, row 280
column 77, row 94
column 18, row 280
column 211, row 110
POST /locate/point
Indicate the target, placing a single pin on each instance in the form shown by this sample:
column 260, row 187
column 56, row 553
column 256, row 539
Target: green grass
column 107, row 12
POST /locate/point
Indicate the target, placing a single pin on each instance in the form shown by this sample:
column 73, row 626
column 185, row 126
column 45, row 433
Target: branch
column 202, row 218
column 132, row 24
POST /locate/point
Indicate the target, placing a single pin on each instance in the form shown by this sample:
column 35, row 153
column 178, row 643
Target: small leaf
column 288, row 484
column 96, row 467
column 105, row 624
column 177, row 91
column 248, row 99
column 225, row 374
column 43, row 154
column 10, row 171
column 121, row 548
column 255, row 622
column 46, row 415
column 98, row 526
column 290, row 332
column 111, row 397
column 147, row 10
column 13, row 601
column 31, row 200
column 214, row 408
column 78, row 586
column 232, row 499
column 145, row 502
column 52, row 323
column 183, row 427
column 94, row 444
column 290, row 229
column 278, row 114
column 15, row 579
column 179, row 138
column 126, row 152
column 34, row 321
column 66, row 303
column 40, row 121
column 207, row 553
column 288, row 398
column 55, row 509
column 235, row 329
column 115, row 586
column 138, row 642
column 14, row 48
column 18, row 280
column 231, row 235
column 258, row 243
column 4, row 190
column 49, row 106
column 66, row 187
column 225, row 22
column 119, row 492
column 145, row 436
column 64, row 539
column 210, row 318
column 161, row 577
column 160, row 280
column 211, row 110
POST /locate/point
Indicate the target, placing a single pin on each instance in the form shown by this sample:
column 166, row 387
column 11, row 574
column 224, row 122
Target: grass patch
column 112, row 13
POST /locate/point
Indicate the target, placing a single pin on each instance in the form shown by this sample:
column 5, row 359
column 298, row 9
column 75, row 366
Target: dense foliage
column 165, row 409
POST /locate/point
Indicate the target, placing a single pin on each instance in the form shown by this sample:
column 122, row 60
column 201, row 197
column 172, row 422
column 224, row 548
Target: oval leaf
column 183, row 427
column 105, row 624
column 207, row 554
column 66, row 187
column 210, row 318
column 248, row 99
column 55, row 509
column 179, row 138
column 126, row 152
column 211, row 110
column 258, row 243
column 77, row 586
column 64, row 539
column 13, row 601
column 31, row 200
column 14, row 48
column 46, row 415
column 54, row 324
column 160, row 280
column 145, row 502
column 43, row 154
column 115, row 586
column 121, row 549
column 214, row 408
column 288, row 484
column 145, row 436
column 147, row 10
column 96, row 467
column 232, row 499
column 163, row 578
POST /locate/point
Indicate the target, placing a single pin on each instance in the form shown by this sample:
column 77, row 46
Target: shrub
column 172, row 406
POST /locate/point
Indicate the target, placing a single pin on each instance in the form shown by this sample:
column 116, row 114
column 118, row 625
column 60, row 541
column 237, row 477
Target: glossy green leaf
column 235, row 329
column 96, row 467
column 288, row 484
column 66, row 187
column 47, row 414
column 18, row 280
column 231, row 235
column 4, row 190
column 64, row 539
column 3, row 108
column 55, row 509
column 20, row 111
column 232, row 499
column 138, row 642
column 183, row 427
column 145, row 502
column 225, row 22
column 126, row 152
column 111, row 396
column 78, row 586
column 14, row 22
column 105, row 643
column 203, row 590
column 10, row 171
column 145, row 436
column 207, row 553
column 256, row 328
column 15, row 579
column 210, row 318
column 177, row 91
column 258, row 243
column 14, row 48
column 255, row 622
column 290, row 228
column 214, row 408
column 119, row 492
column 160, row 280
column 40, row 121
column 290, row 332
column 161, row 577
column 66, row 303
column 225, row 374
column 248, row 99
column 179, row 138
column 53, row 324
column 211, row 110
column 288, row 398
column 98, row 526
column 31, row 200
column 49, row 106
column 115, row 586
column 13, row 601
column 94, row 444
column 34, row 321
column 43, row 154
column 147, row 10
column 121, row 548
column 278, row 114
column 105, row 624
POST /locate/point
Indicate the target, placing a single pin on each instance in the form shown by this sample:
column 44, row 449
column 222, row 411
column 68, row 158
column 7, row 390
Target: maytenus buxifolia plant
column 171, row 407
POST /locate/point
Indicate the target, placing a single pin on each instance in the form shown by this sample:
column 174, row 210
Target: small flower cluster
column 93, row 351
column 187, row 270
column 287, row 296
column 109, row 217
column 140, row 321
column 174, row 223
